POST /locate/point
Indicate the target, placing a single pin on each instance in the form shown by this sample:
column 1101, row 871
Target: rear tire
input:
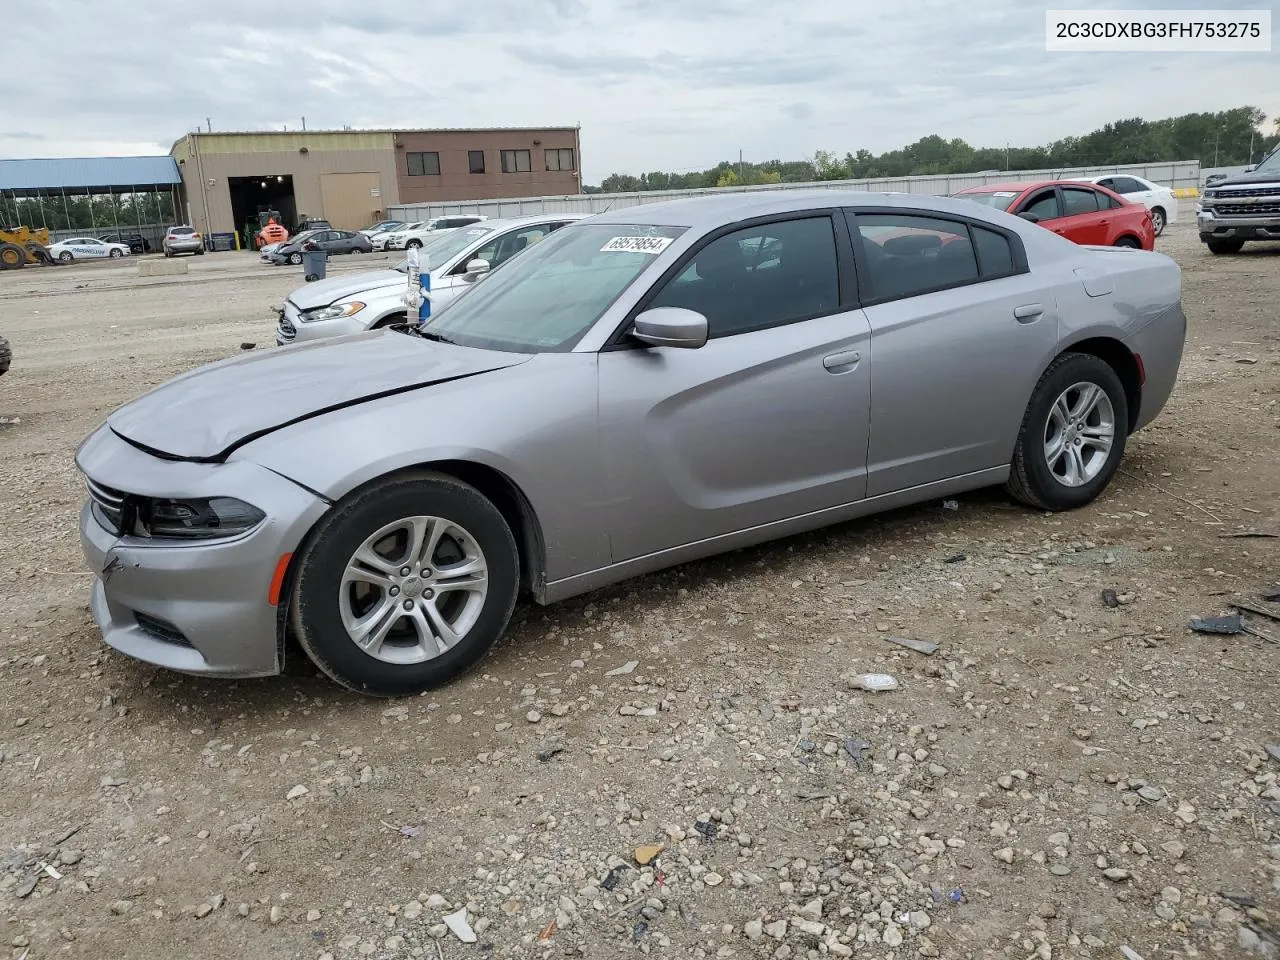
column 12, row 257
column 1131, row 242
column 413, row 243
column 295, row 258
column 1225, row 246
column 115, row 254
column 402, row 661
column 1036, row 476
column 6, row 356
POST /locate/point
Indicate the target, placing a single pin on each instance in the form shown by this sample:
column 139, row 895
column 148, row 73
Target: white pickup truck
column 1241, row 208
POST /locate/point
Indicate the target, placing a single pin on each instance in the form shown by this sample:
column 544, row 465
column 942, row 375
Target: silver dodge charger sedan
column 642, row 388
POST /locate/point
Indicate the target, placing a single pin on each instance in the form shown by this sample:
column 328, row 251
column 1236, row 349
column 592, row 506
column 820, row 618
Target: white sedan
column 87, row 248
column 1159, row 200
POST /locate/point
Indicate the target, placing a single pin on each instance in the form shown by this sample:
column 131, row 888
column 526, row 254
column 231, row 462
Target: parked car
column 1237, row 209
column 183, row 239
column 415, row 235
column 1083, row 213
column 381, row 227
column 653, row 385
column 1156, row 198
column 136, row 242
column 380, row 240
column 456, row 259
column 86, row 248
column 332, row 241
column 267, row 251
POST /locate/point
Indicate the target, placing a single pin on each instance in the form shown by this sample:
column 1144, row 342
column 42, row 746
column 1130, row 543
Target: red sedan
column 1082, row 212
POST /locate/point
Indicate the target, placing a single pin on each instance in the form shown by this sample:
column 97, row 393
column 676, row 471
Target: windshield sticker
column 1004, row 193
column 653, row 245
column 479, row 233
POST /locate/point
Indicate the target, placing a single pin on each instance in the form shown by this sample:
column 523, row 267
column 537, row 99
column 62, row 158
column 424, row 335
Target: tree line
column 95, row 214
column 1228, row 138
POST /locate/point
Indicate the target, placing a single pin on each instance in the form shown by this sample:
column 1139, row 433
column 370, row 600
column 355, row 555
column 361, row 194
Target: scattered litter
column 955, row 558
column 457, row 922
column 956, row 895
column 855, row 748
column 873, row 682
column 10, row 421
column 623, row 670
column 1130, row 954
column 549, row 749
column 549, row 931
column 1272, row 593
column 613, row 876
column 1110, row 599
column 1246, row 360
column 1229, row 625
column 646, row 852
column 50, row 870
column 1250, row 535
column 1260, row 611
column 1239, row 899
column 247, row 346
column 408, row 831
column 707, row 829
column 640, row 930
column 1273, row 750
column 950, row 504
column 919, row 646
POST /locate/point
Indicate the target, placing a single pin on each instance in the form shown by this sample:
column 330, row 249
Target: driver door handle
column 842, row 362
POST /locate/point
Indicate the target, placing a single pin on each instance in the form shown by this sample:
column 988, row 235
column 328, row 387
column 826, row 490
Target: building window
column 561, row 159
column 475, row 161
column 516, row 161
column 423, row 164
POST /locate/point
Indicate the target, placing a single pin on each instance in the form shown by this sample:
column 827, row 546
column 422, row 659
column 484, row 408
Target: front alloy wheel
column 405, row 584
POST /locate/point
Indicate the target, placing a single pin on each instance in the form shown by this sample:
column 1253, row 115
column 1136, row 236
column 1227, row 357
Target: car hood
column 321, row 293
column 1244, row 179
column 205, row 414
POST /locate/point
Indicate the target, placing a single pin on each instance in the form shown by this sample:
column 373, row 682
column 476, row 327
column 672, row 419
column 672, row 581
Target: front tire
column 1073, row 435
column 1225, row 246
column 66, row 256
column 413, row 243
column 115, row 254
column 295, row 258
column 379, row 630
column 1158, row 220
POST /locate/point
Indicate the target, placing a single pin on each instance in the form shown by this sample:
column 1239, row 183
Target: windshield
column 1000, row 199
column 445, row 246
column 1271, row 164
column 545, row 299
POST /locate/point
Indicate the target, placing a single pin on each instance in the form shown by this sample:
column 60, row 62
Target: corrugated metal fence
column 1182, row 175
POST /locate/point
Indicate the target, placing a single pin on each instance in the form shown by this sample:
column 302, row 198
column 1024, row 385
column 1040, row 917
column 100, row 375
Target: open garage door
column 352, row 201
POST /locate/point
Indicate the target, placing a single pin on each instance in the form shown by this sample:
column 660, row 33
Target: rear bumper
column 191, row 246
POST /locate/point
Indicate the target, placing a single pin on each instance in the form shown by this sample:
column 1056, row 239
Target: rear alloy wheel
column 116, row 253
column 1225, row 246
column 405, row 585
column 1158, row 220
column 295, row 258
column 1073, row 435
column 1132, row 242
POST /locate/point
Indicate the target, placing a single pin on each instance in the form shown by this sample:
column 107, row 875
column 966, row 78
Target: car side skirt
column 558, row 590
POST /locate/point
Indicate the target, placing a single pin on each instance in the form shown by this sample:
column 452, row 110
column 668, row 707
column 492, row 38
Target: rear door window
column 908, row 254
column 1078, row 201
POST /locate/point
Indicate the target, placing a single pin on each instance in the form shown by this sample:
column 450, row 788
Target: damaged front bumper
column 199, row 607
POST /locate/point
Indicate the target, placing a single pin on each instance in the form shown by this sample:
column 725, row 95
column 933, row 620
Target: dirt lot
column 1060, row 779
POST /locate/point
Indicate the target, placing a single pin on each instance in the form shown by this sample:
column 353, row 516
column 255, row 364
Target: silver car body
column 182, row 239
column 621, row 460
column 381, row 292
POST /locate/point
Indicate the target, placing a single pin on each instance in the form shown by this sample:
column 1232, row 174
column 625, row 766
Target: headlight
column 332, row 312
column 195, row 519
column 1211, row 193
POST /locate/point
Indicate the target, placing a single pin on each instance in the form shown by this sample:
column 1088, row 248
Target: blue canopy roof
column 88, row 174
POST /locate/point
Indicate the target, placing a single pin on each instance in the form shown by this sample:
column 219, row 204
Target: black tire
column 1031, row 480
column 6, row 356
column 295, row 258
column 1159, row 219
column 1225, row 246
column 315, row 613
column 1132, row 242
column 390, row 320
column 12, row 257
column 413, row 243
column 200, row 252
column 66, row 256
column 115, row 254
column 311, row 277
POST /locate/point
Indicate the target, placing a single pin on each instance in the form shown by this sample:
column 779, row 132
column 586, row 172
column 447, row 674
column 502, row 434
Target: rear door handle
column 842, row 362
column 1028, row 312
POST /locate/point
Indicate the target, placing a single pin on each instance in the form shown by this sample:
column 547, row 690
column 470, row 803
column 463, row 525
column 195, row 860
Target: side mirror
column 671, row 327
column 476, row 269
column 1030, row 217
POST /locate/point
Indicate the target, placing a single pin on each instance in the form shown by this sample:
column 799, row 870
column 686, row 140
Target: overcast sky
column 655, row 84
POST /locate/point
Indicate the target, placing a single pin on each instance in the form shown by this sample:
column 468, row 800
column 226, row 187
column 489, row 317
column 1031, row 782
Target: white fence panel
column 1180, row 175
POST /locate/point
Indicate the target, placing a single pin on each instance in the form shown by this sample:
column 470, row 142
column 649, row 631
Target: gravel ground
column 679, row 765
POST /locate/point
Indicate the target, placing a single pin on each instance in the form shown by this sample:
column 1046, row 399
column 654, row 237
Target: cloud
column 656, row 84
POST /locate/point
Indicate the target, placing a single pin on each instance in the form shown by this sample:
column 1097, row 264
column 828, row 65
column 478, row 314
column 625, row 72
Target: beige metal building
column 351, row 177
